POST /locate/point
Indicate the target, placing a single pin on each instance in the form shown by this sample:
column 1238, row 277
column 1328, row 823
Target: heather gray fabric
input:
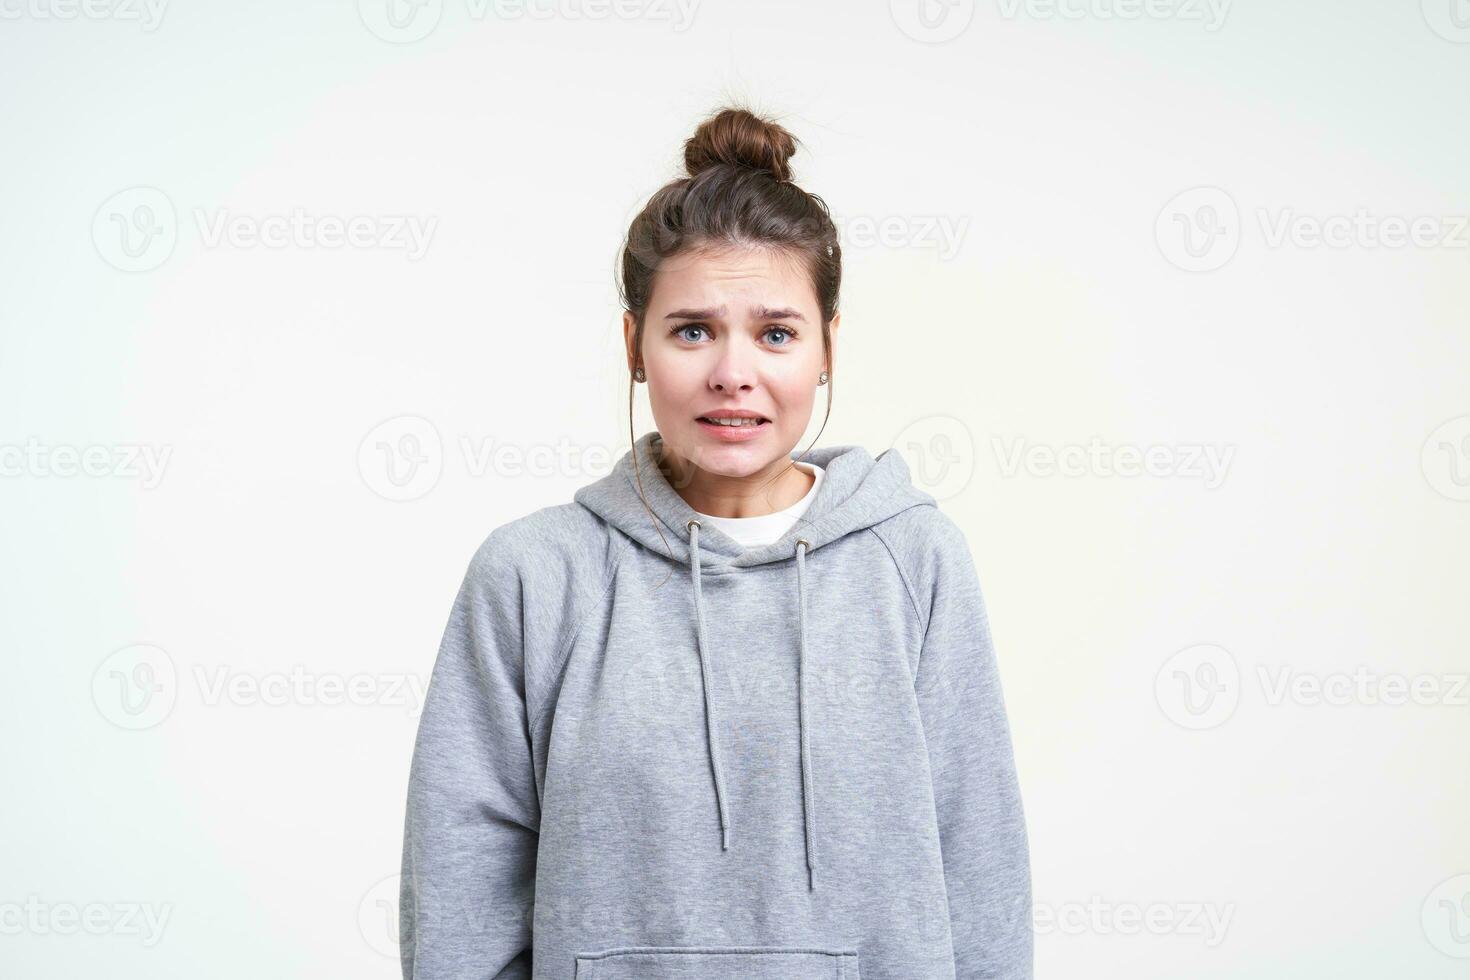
column 648, row 753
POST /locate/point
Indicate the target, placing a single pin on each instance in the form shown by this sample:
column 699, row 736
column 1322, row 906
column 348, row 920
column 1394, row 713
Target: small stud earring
column 822, row 378
column 638, row 374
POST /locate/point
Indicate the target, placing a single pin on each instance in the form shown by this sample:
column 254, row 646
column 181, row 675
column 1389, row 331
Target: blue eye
column 688, row 326
column 682, row 332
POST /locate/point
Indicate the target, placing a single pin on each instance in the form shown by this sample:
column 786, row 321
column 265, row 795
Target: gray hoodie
column 649, row 756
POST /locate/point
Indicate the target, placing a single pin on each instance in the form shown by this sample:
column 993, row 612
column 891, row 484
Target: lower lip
column 732, row 433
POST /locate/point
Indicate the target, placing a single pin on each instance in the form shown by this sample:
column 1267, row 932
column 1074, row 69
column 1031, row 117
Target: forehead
column 739, row 278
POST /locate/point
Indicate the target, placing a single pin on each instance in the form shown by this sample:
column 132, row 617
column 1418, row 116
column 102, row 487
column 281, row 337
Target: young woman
column 723, row 716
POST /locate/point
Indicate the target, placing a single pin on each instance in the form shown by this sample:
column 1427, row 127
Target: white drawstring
column 808, row 803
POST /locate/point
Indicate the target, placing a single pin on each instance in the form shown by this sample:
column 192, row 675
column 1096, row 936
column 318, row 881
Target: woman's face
column 732, row 331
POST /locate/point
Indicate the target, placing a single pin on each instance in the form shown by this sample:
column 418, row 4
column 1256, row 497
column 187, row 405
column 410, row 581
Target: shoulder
column 559, row 546
column 922, row 535
column 930, row 549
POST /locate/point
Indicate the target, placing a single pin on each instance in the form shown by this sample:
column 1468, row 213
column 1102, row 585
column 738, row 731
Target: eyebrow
column 717, row 312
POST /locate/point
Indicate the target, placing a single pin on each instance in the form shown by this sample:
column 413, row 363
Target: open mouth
column 734, row 423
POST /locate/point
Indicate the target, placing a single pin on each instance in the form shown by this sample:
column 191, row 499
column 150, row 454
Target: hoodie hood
column 857, row 492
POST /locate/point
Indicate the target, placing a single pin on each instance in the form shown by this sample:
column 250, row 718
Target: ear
column 832, row 334
column 630, row 328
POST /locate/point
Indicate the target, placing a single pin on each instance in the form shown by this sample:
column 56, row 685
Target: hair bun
column 738, row 137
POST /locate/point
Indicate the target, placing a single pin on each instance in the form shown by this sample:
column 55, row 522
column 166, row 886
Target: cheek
column 673, row 387
column 792, row 387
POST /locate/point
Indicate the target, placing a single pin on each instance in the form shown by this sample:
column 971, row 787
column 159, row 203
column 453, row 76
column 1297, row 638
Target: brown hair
column 738, row 193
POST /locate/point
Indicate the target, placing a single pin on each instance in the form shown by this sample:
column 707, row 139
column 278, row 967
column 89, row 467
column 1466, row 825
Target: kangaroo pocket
column 718, row 963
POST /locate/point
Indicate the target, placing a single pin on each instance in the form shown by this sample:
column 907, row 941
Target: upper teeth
column 739, row 421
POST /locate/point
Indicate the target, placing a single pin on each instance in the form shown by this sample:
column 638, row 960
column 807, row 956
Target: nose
column 734, row 370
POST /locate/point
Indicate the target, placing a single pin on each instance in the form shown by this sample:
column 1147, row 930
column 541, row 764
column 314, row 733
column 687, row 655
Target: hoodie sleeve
column 982, row 828
column 470, row 836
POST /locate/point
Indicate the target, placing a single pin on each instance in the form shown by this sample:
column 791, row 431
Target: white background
column 1189, row 815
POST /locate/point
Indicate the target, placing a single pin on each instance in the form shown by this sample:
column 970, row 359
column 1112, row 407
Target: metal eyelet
column 803, row 541
column 692, row 523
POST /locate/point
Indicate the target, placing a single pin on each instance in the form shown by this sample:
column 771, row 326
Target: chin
column 732, row 459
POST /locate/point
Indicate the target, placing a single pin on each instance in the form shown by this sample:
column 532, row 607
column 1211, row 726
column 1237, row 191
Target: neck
column 774, row 487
